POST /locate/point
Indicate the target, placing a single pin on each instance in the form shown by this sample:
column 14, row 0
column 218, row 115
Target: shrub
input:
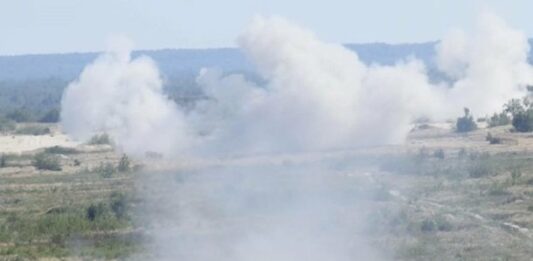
column 100, row 139
column 492, row 139
column 501, row 119
column 106, row 170
column 44, row 161
column 523, row 121
column 95, row 211
column 119, row 205
column 466, row 123
column 124, row 164
column 33, row 130
column 60, row 150
column 480, row 168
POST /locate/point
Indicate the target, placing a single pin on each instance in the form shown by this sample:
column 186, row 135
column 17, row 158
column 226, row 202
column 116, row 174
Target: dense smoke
column 316, row 96
column 123, row 97
column 488, row 67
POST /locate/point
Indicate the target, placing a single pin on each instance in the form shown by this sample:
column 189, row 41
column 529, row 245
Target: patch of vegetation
column 35, row 130
column 45, row 161
column 60, row 150
column 124, row 164
column 106, row 170
column 493, row 139
column 499, row 119
column 466, row 123
column 100, row 139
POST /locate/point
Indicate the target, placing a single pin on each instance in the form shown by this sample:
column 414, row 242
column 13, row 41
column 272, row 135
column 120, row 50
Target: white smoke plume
column 124, row 98
column 318, row 96
column 489, row 66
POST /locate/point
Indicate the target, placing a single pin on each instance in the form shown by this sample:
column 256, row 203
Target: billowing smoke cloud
column 489, row 66
column 123, row 97
column 317, row 95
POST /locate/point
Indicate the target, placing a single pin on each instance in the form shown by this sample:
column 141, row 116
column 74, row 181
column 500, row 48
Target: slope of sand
column 23, row 143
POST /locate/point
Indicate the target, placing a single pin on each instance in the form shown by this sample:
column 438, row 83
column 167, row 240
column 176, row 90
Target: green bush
column 106, row 170
column 35, row 130
column 60, row 150
column 95, row 211
column 100, row 139
column 523, row 121
column 500, row 119
column 44, row 161
column 466, row 123
column 119, row 205
column 124, row 164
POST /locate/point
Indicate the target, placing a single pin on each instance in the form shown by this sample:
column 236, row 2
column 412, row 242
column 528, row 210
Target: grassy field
column 440, row 196
column 83, row 209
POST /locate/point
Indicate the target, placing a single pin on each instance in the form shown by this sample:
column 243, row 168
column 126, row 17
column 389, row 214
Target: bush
column 119, row 205
column 100, row 139
column 95, row 211
column 481, row 168
column 501, row 119
column 124, row 164
column 106, row 170
column 466, row 123
column 523, row 121
column 60, row 150
column 493, row 139
column 35, row 130
column 44, row 161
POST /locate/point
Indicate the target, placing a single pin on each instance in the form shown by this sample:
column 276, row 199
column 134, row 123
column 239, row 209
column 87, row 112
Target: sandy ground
column 24, row 143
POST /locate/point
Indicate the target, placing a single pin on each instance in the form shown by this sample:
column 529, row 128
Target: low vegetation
column 46, row 161
column 100, row 139
column 466, row 123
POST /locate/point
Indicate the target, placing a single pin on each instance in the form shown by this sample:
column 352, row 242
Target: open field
column 440, row 196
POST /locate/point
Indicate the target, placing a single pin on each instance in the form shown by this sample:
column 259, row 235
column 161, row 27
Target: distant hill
column 187, row 61
column 36, row 82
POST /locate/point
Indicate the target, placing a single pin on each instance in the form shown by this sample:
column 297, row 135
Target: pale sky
column 50, row 26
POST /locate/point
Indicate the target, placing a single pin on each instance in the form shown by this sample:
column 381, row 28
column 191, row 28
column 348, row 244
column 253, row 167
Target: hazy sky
column 43, row 26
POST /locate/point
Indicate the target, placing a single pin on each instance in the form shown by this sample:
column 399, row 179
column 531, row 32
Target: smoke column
column 124, row 98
